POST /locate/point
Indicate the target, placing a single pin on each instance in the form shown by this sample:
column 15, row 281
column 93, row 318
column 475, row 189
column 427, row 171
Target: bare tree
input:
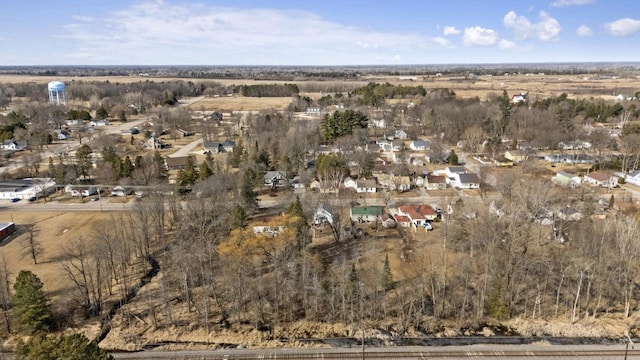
column 31, row 246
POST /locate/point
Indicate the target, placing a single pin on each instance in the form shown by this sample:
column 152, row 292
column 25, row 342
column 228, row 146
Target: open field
column 538, row 86
column 240, row 103
column 54, row 230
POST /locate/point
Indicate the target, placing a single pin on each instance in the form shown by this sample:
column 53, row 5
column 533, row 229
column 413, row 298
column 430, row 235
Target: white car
column 427, row 226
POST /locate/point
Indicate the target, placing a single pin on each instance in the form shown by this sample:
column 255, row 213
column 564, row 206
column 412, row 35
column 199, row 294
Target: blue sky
column 329, row 32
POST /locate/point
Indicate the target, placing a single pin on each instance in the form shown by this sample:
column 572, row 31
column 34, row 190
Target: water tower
column 57, row 93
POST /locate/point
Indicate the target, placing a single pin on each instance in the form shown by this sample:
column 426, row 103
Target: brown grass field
column 241, row 103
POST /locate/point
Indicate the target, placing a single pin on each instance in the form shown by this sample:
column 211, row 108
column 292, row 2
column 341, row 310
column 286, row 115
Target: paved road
column 447, row 352
column 104, row 204
column 186, row 150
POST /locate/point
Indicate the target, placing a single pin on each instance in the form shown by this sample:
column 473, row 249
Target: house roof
column 469, row 179
column 366, row 210
column 212, row 145
column 565, row 174
column 420, row 143
column 599, row 175
column 176, row 161
column 268, row 175
column 417, row 212
column 370, row 183
column 402, row 219
column 436, row 179
column 456, row 169
column 228, row 143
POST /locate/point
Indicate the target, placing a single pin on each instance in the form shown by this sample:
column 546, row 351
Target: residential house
column 379, row 161
column 362, row 214
column 349, row 183
column 633, row 178
column 373, row 148
column 397, row 145
column 314, row 111
column 400, row 134
column 467, row 181
column 14, row 145
column 577, row 159
column 268, row 230
column 418, row 215
column 186, row 133
column 366, row 186
column 74, row 122
column 214, row 116
column 213, row 147
column 435, row 182
column 601, row 178
column 323, row 215
column 323, row 187
column 99, row 123
column 228, row 146
column 90, row 191
column 63, row 135
column 296, row 183
column 574, row 145
column 567, row 179
column 176, row 163
column 388, row 222
column 275, row 179
column 518, row 98
column 417, row 162
column 419, row 145
column 516, row 156
column 503, row 161
column 451, row 171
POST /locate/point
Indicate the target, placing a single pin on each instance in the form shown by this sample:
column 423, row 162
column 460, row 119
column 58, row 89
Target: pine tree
column 31, row 306
column 387, row 277
column 72, row 347
column 204, row 171
column 238, row 218
column 247, row 194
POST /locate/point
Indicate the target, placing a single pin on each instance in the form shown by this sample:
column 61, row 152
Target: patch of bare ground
column 241, row 103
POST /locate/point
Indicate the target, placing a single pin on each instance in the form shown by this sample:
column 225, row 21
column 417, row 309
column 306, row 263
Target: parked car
column 427, row 226
column 15, row 199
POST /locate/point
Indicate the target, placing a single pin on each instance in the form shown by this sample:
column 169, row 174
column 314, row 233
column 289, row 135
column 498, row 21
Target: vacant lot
column 241, row 103
column 54, row 230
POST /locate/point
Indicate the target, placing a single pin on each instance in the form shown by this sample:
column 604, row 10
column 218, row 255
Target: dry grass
column 241, row 103
column 54, row 231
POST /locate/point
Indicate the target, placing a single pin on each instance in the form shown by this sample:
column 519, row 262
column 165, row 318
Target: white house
column 14, row 145
column 419, row 145
column 633, row 178
column 379, row 123
column 275, row 178
column 467, row 181
column 401, row 134
column 349, row 183
column 601, row 178
column 366, row 186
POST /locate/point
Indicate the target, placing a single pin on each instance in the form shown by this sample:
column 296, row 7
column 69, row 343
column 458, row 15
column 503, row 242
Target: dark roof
column 469, row 179
column 176, row 161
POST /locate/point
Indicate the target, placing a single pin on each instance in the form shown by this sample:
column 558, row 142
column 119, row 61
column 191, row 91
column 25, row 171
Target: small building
column 176, row 163
column 567, row 179
column 363, row 214
column 503, row 161
column 14, row 145
column 517, row 156
column 468, row 181
column 63, row 135
column 401, row 134
column 633, row 178
column 323, row 215
column 417, row 215
column 6, row 229
column 518, row 98
column 228, row 146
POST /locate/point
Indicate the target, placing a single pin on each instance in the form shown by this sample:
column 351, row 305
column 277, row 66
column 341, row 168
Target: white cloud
column 479, row 36
column 442, row 42
column 584, row 30
column 506, row 44
column 623, row 27
column 158, row 32
column 546, row 29
column 451, row 30
column 521, row 26
column 563, row 3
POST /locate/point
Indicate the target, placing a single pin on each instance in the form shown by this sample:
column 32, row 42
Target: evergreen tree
column 83, row 158
column 31, row 306
column 102, row 113
column 387, row 277
column 189, row 175
column 159, row 166
column 453, row 158
column 247, row 194
column 204, row 171
column 126, row 167
column 71, row 347
column 611, row 201
column 238, row 218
